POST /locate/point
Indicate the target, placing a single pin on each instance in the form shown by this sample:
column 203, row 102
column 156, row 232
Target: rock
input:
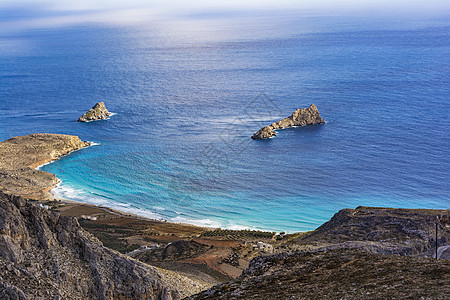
column 300, row 117
column 264, row 133
column 98, row 112
column 41, row 242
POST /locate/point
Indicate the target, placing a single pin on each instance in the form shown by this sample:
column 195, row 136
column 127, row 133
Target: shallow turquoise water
column 188, row 98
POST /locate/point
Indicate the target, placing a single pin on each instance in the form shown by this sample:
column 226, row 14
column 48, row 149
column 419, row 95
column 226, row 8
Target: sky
column 178, row 6
column 26, row 14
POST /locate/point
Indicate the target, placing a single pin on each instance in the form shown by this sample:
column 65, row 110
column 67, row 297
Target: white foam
column 93, row 143
column 200, row 222
column 66, row 192
column 211, row 223
column 63, row 191
column 158, row 208
column 240, row 227
column 40, row 166
column 138, row 211
column 110, row 115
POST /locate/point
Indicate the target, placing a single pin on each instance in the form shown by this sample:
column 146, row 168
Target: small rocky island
column 300, row 117
column 98, row 112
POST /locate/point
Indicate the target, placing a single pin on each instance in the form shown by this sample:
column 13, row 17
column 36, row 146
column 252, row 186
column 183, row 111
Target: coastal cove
column 179, row 147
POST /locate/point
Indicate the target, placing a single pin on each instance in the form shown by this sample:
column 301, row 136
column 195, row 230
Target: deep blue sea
column 188, row 93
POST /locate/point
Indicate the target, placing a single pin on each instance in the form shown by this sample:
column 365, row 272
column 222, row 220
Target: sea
column 188, row 92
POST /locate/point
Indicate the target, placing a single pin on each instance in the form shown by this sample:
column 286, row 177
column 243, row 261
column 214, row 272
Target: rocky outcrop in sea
column 300, row 117
column 98, row 112
column 44, row 255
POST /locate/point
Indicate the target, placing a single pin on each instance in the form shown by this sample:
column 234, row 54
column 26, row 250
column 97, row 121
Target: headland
column 21, row 156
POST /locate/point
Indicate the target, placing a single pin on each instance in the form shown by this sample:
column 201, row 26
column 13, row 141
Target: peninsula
column 20, row 156
column 300, row 117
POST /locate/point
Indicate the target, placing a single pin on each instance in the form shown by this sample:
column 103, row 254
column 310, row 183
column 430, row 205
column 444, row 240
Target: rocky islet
column 300, row 117
column 97, row 112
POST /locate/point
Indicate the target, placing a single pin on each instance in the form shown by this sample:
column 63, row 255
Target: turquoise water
column 189, row 94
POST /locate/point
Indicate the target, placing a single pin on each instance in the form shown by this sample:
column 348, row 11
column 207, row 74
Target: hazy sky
column 178, row 5
column 24, row 14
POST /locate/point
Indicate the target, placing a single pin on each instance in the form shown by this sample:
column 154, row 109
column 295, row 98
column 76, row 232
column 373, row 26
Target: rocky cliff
column 47, row 256
column 98, row 112
column 300, row 117
column 21, row 155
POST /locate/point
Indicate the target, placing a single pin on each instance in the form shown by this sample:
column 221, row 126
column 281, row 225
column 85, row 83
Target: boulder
column 98, row 112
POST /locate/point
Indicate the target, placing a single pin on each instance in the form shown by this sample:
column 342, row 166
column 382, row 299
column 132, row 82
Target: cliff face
column 300, row 117
column 45, row 255
column 98, row 112
column 21, row 155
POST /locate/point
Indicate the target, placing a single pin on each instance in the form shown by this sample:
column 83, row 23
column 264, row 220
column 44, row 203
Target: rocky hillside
column 337, row 274
column 362, row 253
column 300, row 117
column 21, row 155
column 47, row 256
column 382, row 230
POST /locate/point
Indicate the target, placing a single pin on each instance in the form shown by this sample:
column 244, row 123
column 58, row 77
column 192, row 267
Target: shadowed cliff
column 43, row 255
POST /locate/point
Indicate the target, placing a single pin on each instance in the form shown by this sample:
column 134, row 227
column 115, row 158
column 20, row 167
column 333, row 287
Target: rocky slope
column 44, row 255
column 337, row 274
column 382, row 230
column 98, row 112
column 300, row 117
column 362, row 253
column 21, row 155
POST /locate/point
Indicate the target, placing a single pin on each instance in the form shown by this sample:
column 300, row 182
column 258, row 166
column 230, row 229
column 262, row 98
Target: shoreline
column 58, row 150
column 89, row 206
column 194, row 222
column 21, row 174
column 124, row 213
column 215, row 254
